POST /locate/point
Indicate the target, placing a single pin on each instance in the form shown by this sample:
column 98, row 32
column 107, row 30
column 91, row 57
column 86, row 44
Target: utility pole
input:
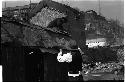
column 99, row 24
column 30, row 4
column 116, row 25
column 99, row 8
column 5, row 4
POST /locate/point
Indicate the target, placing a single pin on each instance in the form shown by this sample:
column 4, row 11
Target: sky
column 109, row 8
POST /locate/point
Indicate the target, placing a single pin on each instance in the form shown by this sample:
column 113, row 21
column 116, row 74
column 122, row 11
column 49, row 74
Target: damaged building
column 49, row 41
column 49, row 27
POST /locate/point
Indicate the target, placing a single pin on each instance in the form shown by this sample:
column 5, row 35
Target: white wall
column 90, row 45
column 1, row 78
column 96, row 42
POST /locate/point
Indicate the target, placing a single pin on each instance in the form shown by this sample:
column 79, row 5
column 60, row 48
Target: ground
column 102, row 76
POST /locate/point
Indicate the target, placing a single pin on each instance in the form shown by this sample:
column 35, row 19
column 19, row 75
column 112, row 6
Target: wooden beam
column 35, row 27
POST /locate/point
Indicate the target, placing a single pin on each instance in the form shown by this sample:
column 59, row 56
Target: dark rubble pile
column 120, row 54
column 106, row 65
column 99, row 67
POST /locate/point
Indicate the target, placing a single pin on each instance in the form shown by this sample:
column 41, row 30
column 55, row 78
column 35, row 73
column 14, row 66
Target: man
column 75, row 67
column 55, row 70
column 33, row 64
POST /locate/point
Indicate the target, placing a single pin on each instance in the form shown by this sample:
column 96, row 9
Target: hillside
column 110, row 29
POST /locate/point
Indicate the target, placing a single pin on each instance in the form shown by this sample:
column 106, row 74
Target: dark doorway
column 12, row 62
column 54, row 70
column 33, row 64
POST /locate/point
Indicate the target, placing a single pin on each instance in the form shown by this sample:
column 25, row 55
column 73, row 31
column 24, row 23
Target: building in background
column 94, row 40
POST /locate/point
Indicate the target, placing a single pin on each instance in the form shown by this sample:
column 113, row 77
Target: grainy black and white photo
column 62, row 40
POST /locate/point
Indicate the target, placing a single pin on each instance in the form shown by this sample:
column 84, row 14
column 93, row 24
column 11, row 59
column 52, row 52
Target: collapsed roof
column 36, row 32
